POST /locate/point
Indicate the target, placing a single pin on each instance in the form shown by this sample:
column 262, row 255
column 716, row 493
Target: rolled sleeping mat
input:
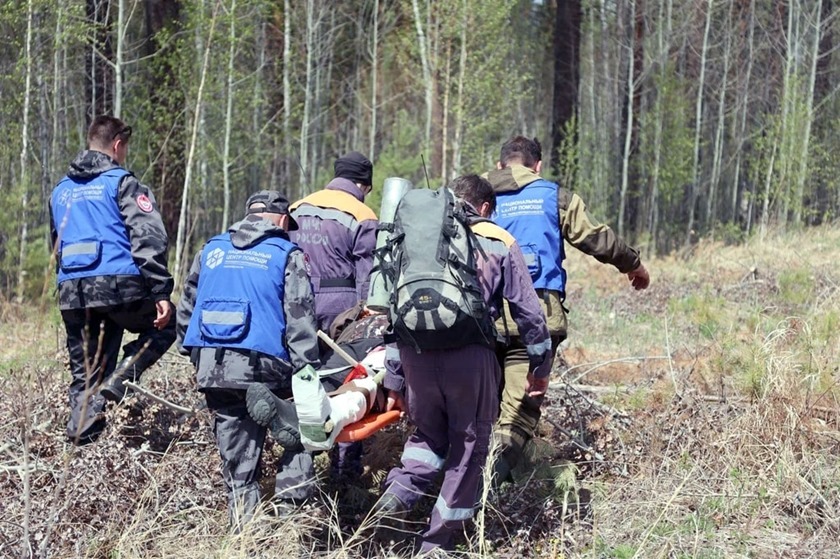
column 393, row 190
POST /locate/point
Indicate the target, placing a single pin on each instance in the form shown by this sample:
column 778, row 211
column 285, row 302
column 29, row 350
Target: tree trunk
column 765, row 208
column 459, row 113
column 98, row 63
column 698, row 127
column 374, row 65
column 166, row 91
column 427, row 72
column 628, row 135
column 287, row 89
column 663, row 40
column 182, row 217
column 228, row 116
column 24, row 167
column 742, row 134
column 566, row 48
column 305, row 186
column 789, row 99
column 719, row 128
column 118, row 61
column 805, row 144
column 823, row 83
column 445, row 127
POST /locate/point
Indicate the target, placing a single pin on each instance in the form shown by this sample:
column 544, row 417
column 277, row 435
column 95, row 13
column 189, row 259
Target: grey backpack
column 436, row 300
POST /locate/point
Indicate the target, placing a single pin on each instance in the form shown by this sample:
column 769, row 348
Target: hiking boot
column 277, row 414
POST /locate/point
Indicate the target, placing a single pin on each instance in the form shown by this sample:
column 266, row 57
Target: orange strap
column 338, row 200
column 367, row 426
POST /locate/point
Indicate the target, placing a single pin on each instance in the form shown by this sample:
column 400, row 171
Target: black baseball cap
column 270, row 202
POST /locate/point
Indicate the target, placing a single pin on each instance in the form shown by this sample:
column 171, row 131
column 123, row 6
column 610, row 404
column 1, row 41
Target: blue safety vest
column 93, row 240
column 240, row 294
column 530, row 215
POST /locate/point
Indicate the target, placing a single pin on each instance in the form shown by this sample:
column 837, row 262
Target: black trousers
column 94, row 336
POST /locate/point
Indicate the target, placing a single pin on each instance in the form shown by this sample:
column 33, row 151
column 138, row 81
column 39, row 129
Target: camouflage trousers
column 240, row 440
column 94, row 336
column 519, row 413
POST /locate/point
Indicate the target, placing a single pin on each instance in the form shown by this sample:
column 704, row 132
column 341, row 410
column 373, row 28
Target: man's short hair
column 474, row 190
column 105, row 129
column 521, row 150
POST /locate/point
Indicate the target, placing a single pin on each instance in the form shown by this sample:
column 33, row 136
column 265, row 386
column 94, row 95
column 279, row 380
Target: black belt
column 337, row 282
column 253, row 357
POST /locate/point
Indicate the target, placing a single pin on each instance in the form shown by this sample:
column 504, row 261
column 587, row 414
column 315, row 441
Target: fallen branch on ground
column 610, row 362
column 149, row 394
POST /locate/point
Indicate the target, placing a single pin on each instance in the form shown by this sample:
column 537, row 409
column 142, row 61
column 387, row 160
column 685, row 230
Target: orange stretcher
column 367, row 426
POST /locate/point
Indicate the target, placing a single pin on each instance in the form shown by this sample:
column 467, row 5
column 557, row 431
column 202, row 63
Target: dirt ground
column 696, row 419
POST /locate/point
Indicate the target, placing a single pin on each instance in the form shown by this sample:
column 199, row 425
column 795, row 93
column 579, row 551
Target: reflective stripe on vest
column 92, row 237
column 530, row 214
column 239, row 302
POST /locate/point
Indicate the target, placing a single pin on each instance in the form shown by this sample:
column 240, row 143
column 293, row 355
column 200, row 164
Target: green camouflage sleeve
column 149, row 242
column 591, row 237
column 186, row 305
column 299, row 308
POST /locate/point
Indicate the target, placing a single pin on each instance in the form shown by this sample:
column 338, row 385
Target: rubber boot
column 113, row 388
column 277, row 414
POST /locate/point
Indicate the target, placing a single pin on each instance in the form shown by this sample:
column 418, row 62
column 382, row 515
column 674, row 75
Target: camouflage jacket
column 577, row 227
column 146, row 233
column 234, row 369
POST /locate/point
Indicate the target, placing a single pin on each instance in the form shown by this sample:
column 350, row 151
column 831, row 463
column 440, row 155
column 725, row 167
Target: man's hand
column 395, row 401
column 536, row 386
column 639, row 277
column 164, row 313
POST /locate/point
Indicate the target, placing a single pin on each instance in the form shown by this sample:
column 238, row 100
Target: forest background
column 674, row 119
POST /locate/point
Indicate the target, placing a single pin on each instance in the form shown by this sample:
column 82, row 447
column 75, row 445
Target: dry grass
column 697, row 419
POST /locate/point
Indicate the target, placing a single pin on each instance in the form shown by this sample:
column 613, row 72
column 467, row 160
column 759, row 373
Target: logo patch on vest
column 64, row 197
column 144, row 203
column 214, row 258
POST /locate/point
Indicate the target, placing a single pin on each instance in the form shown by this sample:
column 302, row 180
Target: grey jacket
column 234, row 369
column 146, row 233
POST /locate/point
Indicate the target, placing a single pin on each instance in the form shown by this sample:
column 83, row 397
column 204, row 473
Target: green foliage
column 796, row 286
column 666, row 133
column 703, row 309
column 507, row 88
column 397, row 159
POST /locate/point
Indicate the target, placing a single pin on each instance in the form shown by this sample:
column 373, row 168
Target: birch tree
column 24, row 165
column 805, row 144
column 698, row 126
column 182, row 216
column 228, row 113
column 425, row 64
column 628, row 134
column 717, row 157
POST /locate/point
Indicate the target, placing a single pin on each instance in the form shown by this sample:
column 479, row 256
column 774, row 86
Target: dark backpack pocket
column 225, row 320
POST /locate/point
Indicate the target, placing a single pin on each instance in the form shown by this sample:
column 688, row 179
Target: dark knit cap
column 355, row 167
